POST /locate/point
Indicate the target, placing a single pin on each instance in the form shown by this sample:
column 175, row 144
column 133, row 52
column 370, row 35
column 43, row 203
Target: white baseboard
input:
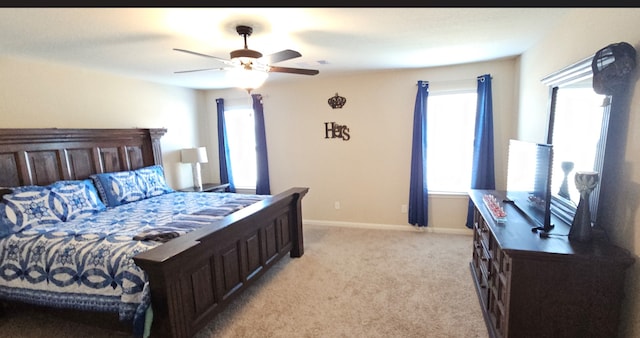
column 406, row 227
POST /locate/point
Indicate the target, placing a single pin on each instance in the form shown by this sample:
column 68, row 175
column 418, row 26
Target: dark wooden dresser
column 529, row 286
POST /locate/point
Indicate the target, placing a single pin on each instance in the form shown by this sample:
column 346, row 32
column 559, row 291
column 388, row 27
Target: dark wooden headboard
column 42, row 156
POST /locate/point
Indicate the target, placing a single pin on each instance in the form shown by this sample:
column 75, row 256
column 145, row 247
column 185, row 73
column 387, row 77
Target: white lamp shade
column 194, row 155
column 246, row 78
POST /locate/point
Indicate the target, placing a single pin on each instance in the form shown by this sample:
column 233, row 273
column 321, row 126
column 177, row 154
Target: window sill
column 448, row 194
column 243, row 190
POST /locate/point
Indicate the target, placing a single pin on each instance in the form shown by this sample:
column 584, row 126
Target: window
column 241, row 137
column 450, row 133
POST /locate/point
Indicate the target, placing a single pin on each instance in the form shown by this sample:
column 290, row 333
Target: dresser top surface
column 515, row 235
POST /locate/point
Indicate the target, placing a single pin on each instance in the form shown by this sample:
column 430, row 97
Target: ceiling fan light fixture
column 247, row 79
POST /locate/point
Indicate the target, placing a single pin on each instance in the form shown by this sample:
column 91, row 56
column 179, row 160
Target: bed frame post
column 155, row 135
column 298, row 238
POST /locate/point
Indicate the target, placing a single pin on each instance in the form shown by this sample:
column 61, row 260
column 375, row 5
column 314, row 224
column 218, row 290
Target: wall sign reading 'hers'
column 335, row 130
column 332, row 129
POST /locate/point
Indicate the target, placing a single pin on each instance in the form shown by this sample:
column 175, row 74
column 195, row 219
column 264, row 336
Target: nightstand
column 208, row 187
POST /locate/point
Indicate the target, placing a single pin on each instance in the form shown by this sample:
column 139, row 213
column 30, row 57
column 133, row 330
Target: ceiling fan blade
column 197, row 70
column 205, row 55
column 280, row 56
column 273, row 69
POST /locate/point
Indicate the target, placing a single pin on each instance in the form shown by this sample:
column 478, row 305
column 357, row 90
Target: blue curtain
column 262, row 163
column 418, row 193
column 223, row 149
column 483, row 172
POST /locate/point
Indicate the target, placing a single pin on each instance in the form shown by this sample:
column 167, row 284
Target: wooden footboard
column 195, row 276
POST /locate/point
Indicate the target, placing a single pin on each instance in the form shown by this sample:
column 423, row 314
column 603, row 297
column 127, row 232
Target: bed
column 188, row 254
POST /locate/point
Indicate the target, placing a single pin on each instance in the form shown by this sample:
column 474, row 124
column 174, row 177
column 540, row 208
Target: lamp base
column 197, row 178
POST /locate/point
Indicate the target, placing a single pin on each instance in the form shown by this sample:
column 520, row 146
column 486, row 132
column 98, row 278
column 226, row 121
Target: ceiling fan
column 253, row 61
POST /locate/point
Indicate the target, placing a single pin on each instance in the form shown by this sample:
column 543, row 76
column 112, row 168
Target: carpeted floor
column 349, row 283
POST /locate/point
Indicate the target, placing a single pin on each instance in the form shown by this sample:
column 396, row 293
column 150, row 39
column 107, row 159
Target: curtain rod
column 458, row 80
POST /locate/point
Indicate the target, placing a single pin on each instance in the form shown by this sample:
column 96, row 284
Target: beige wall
column 36, row 94
column 368, row 174
column 583, row 33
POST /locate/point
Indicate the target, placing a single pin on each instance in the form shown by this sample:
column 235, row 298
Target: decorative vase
column 580, row 231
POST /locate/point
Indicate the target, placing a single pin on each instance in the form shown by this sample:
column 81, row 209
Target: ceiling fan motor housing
column 246, row 52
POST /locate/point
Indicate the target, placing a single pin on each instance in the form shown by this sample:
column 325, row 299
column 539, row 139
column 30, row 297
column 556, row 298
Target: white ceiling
column 139, row 42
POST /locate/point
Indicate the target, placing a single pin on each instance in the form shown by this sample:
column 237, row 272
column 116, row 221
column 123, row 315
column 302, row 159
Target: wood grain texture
column 192, row 277
column 531, row 286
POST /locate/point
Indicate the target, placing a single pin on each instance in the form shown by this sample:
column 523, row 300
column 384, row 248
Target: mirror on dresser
column 578, row 127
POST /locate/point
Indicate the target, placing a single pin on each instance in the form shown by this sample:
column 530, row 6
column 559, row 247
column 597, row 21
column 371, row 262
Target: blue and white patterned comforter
column 87, row 263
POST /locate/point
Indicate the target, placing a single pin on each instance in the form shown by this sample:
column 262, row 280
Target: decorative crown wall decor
column 337, row 101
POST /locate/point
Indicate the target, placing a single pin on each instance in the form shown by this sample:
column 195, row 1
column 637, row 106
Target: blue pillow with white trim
column 80, row 198
column 153, row 179
column 119, row 188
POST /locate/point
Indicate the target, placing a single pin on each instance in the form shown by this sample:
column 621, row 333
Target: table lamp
column 195, row 156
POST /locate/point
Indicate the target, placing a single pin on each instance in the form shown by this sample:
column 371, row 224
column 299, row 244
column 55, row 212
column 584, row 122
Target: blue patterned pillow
column 28, row 206
column 79, row 198
column 119, row 187
column 153, row 179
